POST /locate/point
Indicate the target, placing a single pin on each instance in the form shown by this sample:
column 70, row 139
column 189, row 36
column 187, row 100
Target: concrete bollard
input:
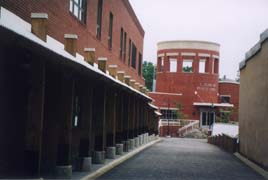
column 119, row 149
column 136, row 139
column 110, row 152
column 145, row 138
column 63, row 172
column 87, row 164
column 125, row 147
column 131, row 144
column 99, row 157
column 140, row 140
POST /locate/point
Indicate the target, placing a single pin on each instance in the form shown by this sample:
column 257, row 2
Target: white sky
column 234, row 24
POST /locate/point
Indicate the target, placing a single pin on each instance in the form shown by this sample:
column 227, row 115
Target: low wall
column 225, row 142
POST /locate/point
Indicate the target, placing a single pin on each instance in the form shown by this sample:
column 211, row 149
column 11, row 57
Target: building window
column 78, row 9
column 125, row 46
column 168, row 114
column 129, row 51
column 121, row 42
column 162, row 64
column 99, row 19
column 134, row 56
column 110, row 36
column 225, row 98
column 140, row 64
column 207, row 118
column 172, row 64
column 187, row 66
column 216, row 66
column 76, row 112
column 202, row 65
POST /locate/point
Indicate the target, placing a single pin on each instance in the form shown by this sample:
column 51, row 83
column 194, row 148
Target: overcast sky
column 234, row 24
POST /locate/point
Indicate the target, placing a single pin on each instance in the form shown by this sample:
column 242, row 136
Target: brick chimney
column 102, row 61
column 127, row 80
column 90, row 55
column 120, row 75
column 132, row 83
column 39, row 25
column 112, row 70
column 137, row 86
column 71, row 43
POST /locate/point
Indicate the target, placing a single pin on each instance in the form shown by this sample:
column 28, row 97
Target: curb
column 118, row 161
column 252, row 165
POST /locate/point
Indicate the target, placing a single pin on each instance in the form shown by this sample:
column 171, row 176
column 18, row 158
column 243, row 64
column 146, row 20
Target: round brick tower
column 187, row 73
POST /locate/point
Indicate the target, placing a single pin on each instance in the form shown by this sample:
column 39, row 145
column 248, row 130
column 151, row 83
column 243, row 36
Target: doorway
column 207, row 118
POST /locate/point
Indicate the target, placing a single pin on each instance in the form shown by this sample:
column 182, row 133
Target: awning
column 213, row 104
column 157, row 113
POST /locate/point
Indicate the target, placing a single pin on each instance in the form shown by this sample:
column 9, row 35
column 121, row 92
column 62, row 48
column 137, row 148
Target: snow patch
column 228, row 129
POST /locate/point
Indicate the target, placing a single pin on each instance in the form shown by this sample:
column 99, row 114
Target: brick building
column 65, row 101
column 111, row 27
column 187, row 77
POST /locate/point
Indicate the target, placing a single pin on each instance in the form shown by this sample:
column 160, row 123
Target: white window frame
column 173, row 64
column 213, row 61
column 201, row 61
column 187, row 60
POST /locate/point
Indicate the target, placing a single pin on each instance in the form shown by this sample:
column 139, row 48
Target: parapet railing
column 170, row 122
column 188, row 127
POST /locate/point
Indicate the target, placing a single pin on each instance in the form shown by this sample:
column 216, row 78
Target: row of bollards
column 119, row 150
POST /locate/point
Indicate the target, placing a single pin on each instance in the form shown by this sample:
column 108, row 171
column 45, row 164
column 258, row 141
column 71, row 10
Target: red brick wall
column 231, row 89
column 61, row 22
column 163, row 131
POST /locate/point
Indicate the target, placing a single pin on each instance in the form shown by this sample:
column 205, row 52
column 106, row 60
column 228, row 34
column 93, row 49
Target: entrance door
column 207, row 118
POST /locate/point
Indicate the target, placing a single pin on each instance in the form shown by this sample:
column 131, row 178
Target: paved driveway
column 182, row 159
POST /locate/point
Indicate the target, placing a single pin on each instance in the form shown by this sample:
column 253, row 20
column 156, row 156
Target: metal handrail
column 190, row 125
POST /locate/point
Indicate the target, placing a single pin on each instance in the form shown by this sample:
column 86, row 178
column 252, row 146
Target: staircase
column 194, row 124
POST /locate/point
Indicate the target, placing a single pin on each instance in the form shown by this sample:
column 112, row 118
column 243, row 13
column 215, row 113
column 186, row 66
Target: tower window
column 202, row 65
column 187, row 66
column 173, row 64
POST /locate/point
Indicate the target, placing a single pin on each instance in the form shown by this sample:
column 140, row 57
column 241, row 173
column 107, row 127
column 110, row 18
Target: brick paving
column 183, row 159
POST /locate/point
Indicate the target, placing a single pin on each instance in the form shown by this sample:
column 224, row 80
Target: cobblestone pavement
column 182, row 159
